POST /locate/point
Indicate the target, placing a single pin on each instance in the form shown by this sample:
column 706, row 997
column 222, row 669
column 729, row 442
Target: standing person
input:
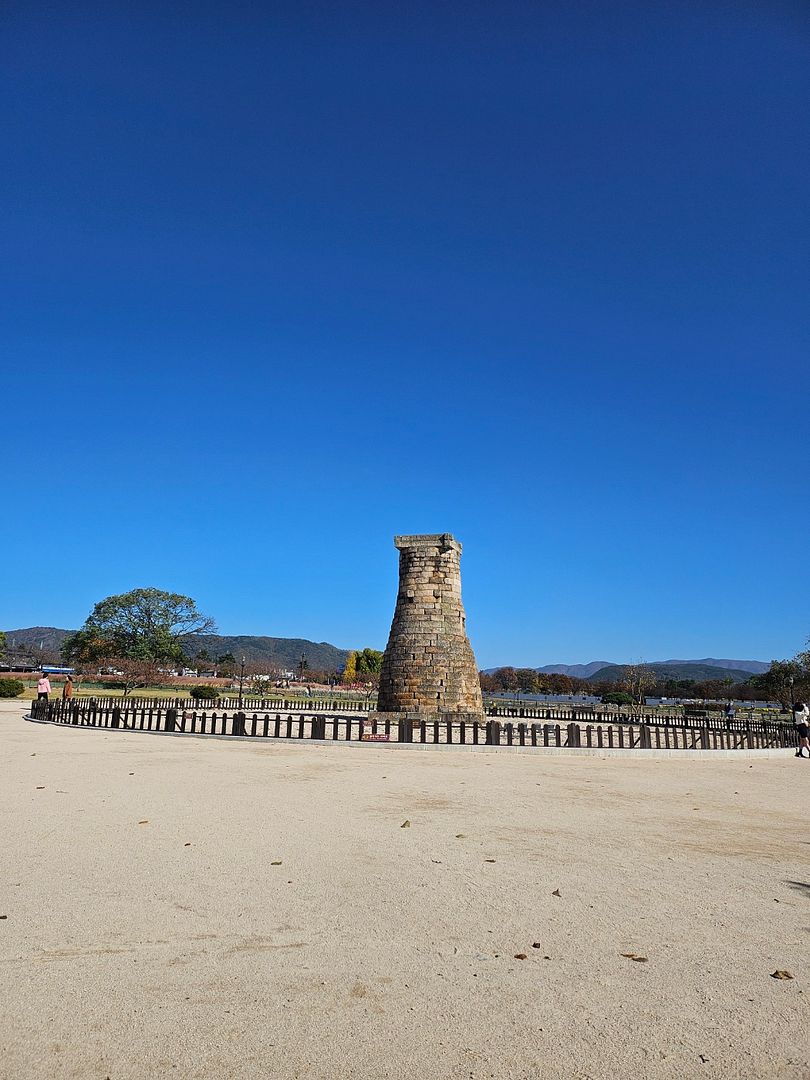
column 731, row 712
column 67, row 689
column 801, row 718
column 43, row 687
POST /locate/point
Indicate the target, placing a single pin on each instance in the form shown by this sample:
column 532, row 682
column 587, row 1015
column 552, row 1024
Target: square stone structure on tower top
column 429, row 669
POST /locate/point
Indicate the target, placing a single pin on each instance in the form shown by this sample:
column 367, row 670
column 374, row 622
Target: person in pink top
column 43, row 687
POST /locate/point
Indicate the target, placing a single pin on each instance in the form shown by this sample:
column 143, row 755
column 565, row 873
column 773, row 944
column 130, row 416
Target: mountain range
column 708, row 668
column 43, row 643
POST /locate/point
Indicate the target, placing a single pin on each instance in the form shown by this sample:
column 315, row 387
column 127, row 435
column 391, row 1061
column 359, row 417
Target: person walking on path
column 44, row 688
column 801, row 718
column 67, row 689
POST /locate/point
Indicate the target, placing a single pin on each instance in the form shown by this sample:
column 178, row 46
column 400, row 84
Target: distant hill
column 37, row 641
column 684, row 669
column 275, row 652
column 756, row 667
column 42, row 643
column 576, row 671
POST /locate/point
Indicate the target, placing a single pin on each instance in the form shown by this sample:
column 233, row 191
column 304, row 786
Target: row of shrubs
column 10, row 688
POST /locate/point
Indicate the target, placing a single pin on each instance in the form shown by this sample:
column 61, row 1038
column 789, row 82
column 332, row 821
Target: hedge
column 204, row 693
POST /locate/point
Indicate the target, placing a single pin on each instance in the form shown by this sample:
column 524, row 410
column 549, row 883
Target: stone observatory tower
column 429, row 667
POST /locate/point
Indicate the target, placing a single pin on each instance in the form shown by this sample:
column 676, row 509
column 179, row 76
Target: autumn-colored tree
column 507, row 678
column 558, row 683
column 350, row 670
column 489, row 684
column 135, row 673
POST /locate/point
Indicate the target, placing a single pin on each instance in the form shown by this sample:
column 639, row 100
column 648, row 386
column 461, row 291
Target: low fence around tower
column 562, row 713
column 230, row 702
column 300, row 726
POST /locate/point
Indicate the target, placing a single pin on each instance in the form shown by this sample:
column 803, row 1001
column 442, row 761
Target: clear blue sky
column 281, row 280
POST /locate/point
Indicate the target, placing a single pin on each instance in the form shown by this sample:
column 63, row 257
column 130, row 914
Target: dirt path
column 185, row 909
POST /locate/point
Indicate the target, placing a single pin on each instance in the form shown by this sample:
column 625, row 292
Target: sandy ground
column 191, row 909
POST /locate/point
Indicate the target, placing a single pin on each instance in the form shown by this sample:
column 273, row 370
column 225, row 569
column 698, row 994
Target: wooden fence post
column 171, row 720
column 493, row 733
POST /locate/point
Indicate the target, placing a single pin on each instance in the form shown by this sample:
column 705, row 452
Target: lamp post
column 241, row 682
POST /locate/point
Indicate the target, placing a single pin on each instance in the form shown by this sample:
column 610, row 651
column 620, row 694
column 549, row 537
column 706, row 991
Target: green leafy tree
column 617, row 697
column 2, row 645
column 527, row 680
column 368, row 663
column 226, row 665
column 787, row 681
column 145, row 625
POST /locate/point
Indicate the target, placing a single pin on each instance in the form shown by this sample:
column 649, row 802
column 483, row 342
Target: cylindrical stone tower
column 429, row 667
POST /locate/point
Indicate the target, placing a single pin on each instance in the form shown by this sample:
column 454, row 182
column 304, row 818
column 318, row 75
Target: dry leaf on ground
column 405, row 824
column 781, row 974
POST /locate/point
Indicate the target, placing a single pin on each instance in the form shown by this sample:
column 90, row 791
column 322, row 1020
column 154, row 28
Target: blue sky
column 280, row 281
